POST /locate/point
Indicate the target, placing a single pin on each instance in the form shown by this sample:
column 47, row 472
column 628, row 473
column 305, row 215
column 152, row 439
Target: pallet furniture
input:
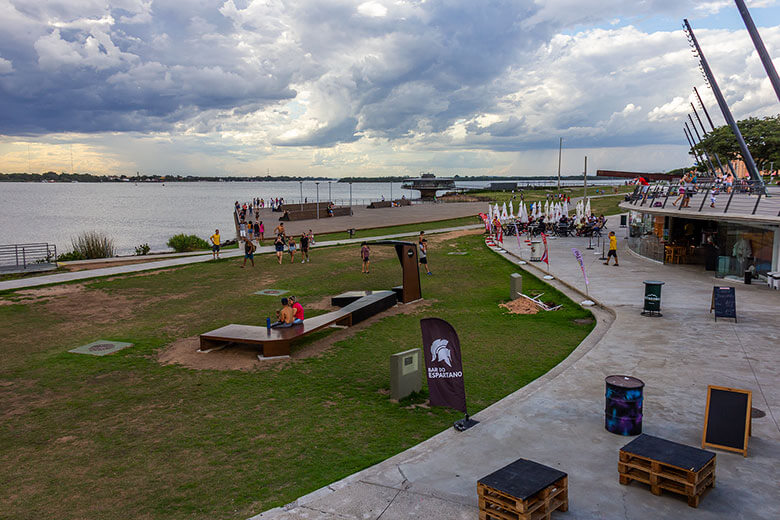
column 276, row 341
column 523, row 490
column 667, row 465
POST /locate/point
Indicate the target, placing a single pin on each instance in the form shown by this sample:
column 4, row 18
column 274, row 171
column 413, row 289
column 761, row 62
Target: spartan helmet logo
column 441, row 352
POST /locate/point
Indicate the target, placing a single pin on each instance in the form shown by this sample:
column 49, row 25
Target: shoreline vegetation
column 88, row 177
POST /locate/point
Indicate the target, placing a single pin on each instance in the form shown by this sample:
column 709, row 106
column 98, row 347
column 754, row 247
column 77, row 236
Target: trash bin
column 623, row 409
column 536, row 250
column 748, row 277
column 652, row 298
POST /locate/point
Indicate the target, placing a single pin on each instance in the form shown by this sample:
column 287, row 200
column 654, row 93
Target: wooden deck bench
column 308, row 214
column 277, row 341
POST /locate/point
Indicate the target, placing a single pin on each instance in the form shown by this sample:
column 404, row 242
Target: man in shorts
column 612, row 249
column 284, row 316
column 422, row 253
column 365, row 253
column 249, row 252
column 304, row 248
column 215, row 245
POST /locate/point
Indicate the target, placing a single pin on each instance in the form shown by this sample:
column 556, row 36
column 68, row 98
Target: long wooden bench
column 308, row 214
column 276, row 341
column 304, row 207
column 388, row 203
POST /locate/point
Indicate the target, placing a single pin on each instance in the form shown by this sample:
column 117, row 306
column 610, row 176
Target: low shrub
column 69, row 257
column 182, row 243
column 93, row 244
column 142, row 250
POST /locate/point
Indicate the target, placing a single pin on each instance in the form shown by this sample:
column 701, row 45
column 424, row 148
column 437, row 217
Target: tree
column 762, row 137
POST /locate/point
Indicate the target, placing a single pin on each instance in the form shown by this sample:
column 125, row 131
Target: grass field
column 124, row 436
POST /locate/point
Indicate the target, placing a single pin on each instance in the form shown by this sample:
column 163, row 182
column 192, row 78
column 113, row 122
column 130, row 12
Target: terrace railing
column 749, row 196
column 24, row 256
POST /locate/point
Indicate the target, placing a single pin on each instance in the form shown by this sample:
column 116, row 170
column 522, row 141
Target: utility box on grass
column 515, row 285
column 405, row 373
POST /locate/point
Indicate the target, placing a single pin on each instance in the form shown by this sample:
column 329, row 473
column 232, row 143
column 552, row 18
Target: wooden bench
column 276, row 341
column 304, row 207
column 309, row 214
column 389, row 203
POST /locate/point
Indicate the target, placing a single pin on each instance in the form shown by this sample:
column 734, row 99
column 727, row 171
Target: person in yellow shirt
column 215, row 244
column 612, row 248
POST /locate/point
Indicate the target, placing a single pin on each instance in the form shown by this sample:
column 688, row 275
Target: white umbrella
column 511, row 210
column 504, row 214
column 496, row 212
column 490, row 212
column 566, row 208
column 546, row 208
column 587, row 208
column 523, row 214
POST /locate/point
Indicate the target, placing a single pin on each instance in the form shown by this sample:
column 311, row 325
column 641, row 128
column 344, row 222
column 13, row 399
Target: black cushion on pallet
column 370, row 305
column 669, row 452
column 522, row 479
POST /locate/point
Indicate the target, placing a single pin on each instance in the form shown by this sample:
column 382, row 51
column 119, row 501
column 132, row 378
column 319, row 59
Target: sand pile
column 520, row 306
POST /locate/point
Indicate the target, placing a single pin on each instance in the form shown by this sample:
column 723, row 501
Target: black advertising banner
column 443, row 362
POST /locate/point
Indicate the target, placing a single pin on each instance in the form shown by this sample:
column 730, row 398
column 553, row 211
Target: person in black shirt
column 304, row 248
column 249, row 252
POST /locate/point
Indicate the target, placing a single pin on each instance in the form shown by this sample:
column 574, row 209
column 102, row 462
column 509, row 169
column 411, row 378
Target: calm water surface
column 134, row 214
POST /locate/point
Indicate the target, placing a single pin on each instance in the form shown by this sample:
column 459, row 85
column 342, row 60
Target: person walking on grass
column 279, row 247
column 215, row 245
column 304, row 248
column 422, row 253
column 261, row 231
column 291, row 249
column 365, row 251
column 612, row 249
column 249, row 252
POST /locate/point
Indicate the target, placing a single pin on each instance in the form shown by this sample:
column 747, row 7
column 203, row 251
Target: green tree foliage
column 762, row 137
column 182, row 243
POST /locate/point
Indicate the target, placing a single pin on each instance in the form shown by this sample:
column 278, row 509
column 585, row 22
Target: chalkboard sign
column 727, row 419
column 724, row 303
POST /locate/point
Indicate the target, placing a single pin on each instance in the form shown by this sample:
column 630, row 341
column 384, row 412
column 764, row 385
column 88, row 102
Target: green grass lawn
column 123, row 436
column 404, row 228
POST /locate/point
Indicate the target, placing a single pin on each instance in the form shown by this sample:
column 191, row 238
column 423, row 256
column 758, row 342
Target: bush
column 92, row 244
column 142, row 250
column 69, row 257
column 182, row 243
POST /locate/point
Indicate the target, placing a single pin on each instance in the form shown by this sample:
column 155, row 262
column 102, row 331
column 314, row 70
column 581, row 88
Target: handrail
column 22, row 255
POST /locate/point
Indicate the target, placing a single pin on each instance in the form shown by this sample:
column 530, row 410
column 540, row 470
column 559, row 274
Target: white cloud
column 373, row 9
column 6, row 67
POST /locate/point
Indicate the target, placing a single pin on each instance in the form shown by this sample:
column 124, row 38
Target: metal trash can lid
column 624, row 381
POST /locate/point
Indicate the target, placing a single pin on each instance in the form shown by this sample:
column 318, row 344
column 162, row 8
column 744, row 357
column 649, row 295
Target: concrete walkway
column 558, row 420
column 179, row 260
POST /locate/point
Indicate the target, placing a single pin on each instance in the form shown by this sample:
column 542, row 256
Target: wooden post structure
column 407, row 255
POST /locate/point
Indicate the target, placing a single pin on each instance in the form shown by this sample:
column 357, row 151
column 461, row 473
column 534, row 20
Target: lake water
column 134, row 214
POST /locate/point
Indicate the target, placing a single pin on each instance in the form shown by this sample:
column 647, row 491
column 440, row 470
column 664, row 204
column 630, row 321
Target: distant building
column 428, row 184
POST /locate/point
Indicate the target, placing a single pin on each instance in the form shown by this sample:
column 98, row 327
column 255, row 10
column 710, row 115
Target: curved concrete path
column 558, row 420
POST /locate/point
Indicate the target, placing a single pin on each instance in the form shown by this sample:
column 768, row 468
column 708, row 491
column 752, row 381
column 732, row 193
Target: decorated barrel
column 623, row 413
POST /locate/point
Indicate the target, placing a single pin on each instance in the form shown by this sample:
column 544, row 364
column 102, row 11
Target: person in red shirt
column 297, row 310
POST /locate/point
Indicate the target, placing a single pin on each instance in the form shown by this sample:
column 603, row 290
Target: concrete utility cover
column 457, row 253
column 101, row 347
column 272, row 292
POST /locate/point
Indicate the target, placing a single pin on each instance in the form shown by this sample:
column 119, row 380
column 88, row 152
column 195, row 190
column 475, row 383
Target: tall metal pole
column 724, row 108
column 350, row 199
column 301, row 182
column 330, row 199
column 391, row 191
column 766, row 60
column 318, row 199
column 585, row 179
column 560, row 149
column 690, row 142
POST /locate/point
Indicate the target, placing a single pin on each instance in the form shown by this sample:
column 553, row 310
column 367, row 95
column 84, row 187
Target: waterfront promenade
column 558, row 420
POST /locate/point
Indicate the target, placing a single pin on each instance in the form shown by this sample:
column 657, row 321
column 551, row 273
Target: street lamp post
column 350, row 199
column 301, row 183
column 560, row 149
column 330, row 199
column 391, row 191
column 318, row 199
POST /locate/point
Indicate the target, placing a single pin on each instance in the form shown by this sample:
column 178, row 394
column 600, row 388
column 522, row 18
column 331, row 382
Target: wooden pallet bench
column 523, row 490
column 667, row 465
column 277, row 341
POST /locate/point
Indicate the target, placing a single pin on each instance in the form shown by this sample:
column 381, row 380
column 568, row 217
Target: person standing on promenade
column 612, row 249
column 261, row 230
column 279, row 247
column 422, row 253
column 291, row 249
column 249, row 252
column 304, row 248
column 215, row 245
column 365, row 253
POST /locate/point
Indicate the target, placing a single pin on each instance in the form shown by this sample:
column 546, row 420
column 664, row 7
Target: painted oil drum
column 623, row 412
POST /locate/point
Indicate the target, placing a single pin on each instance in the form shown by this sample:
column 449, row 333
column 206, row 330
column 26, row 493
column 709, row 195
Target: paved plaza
column 558, row 420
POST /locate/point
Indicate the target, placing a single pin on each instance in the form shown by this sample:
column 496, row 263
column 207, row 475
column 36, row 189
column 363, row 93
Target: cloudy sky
column 377, row 87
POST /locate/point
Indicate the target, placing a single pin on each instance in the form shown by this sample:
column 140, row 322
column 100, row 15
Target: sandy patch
column 520, row 306
column 116, row 263
column 451, row 235
column 184, row 352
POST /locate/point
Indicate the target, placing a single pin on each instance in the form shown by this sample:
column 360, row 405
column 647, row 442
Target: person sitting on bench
column 297, row 309
column 284, row 316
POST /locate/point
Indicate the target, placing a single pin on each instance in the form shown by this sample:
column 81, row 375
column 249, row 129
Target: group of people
column 284, row 242
column 290, row 314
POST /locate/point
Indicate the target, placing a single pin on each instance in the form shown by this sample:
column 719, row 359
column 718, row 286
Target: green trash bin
column 652, row 298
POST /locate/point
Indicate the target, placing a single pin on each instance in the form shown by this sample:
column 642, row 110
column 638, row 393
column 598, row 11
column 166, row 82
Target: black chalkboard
column 724, row 303
column 727, row 419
